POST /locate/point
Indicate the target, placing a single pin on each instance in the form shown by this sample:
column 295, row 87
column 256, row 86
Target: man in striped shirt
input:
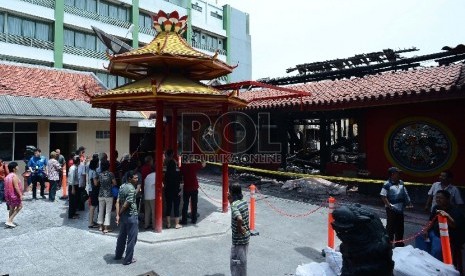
column 126, row 213
column 240, row 231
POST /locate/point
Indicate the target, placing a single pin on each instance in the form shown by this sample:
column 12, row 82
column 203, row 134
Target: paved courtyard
column 45, row 242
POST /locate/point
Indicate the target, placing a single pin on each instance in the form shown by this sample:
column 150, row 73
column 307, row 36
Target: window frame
column 14, row 132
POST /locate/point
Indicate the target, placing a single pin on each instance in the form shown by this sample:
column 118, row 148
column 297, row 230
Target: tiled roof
column 168, row 50
column 44, row 82
column 382, row 89
column 167, row 43
column 37, row 91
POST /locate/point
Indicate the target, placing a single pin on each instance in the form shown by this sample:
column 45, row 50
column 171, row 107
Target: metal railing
column 207, row 48
column 102, row 18
column 84, row 52
column 45, row 3
column 147, row 30
column 26, row 41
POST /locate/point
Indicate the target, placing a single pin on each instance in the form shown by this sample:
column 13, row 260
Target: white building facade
column 58, row 33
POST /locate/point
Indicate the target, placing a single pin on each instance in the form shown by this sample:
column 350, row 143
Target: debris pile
column 314, row 186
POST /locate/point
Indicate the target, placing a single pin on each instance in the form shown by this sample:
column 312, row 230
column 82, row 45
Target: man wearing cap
column 395, row 198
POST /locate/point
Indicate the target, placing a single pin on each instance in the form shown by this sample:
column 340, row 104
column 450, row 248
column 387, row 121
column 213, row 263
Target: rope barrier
column 303, row 175
column 211, row 198
column 279, row 211
column 423, row 230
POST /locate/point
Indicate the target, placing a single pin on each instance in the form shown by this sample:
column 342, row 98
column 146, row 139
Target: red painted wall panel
column 380, row 120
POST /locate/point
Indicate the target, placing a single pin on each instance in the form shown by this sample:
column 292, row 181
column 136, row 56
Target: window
column 102, row 134
column 83, row 40
column 196, row 36
column 209, row 41
column 68, row 37
column 88, row 5
column 29, row 28
column 80, row 40
column 2, row 23
column 103, row 8
column 14, row 137
column 145, row 20
column 100, row 46
column 111, row 81
column 114, row 11
column 91, row 42
column 91, row 5
column 66, row 127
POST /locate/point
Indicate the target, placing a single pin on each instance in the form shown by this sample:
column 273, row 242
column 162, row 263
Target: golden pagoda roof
column 168, row 51
column 172, row 84
column 175, row 90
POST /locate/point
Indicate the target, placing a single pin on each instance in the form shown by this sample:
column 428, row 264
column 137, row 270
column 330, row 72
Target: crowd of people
column 443, row 199
column 131, row 190
column 128, row 191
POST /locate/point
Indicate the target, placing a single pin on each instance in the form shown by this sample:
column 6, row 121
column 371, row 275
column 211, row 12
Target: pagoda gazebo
column 167, row 74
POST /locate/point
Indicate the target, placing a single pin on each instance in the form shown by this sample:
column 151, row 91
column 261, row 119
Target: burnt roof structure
column 365, row 64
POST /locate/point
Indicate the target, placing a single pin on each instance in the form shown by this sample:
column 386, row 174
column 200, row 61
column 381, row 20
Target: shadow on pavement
column 109, row 259
column 309, row 252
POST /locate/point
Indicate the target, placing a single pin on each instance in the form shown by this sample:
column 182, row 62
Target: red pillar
column 158, row 169
column 112, row 138
column 167, row 136
column 226, row 150
column 174, row 133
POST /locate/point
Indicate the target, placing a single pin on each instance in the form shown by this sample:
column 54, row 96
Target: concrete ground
column 45, row 242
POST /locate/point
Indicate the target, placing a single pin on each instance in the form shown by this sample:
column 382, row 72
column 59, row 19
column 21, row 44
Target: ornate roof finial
column 171, row 22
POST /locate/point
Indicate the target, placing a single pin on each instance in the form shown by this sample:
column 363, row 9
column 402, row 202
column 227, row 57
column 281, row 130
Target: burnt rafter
column 365, row 64
column 387, row 55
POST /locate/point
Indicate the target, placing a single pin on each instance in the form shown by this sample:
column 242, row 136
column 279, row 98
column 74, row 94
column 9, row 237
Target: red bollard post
column 445, row 242
column 332, row 201
column 252, row 208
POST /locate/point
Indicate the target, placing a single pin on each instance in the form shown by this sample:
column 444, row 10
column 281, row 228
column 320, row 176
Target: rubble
column 314, row 186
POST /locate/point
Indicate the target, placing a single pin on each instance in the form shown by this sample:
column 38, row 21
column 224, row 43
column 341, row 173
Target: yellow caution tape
column 303, row 175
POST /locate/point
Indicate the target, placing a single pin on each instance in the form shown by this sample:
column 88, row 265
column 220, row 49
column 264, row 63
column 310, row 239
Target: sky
column 291, row 32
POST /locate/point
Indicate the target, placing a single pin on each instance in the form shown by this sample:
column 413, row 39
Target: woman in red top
column 13, row 194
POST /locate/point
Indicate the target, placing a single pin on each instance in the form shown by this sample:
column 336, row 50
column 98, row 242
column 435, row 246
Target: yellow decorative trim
column 154, row 87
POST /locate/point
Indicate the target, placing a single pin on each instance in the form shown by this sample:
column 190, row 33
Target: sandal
column 178, row 226
column 94, row 226
column 10, row 225
column 107, row 231
column 131, row 262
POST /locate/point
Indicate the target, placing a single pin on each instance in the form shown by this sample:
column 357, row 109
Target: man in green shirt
column 240, row 231
column 126, row 213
